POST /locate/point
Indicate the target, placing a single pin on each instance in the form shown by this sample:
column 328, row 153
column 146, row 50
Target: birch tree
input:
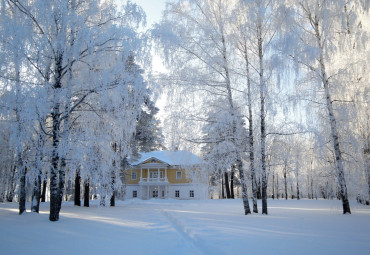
column 321, row 31
column 194, row 35
column 261, row 27
column 17, row 93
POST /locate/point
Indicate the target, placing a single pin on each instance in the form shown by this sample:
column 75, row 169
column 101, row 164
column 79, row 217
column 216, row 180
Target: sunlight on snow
column 113, row 221
column 9, row 210
column 301, row 209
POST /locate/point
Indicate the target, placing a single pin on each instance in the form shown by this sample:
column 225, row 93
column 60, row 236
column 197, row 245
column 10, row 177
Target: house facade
column 167, row 174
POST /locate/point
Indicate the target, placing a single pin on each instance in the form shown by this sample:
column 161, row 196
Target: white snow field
column 188, row 227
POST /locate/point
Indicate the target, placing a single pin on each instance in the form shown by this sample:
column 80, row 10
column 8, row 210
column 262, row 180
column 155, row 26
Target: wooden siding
column 171, row 175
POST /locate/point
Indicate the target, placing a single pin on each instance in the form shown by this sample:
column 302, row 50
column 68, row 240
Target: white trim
column 200, row 191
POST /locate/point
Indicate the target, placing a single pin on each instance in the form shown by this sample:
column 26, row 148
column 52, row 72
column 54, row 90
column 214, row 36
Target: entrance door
column 155, row 193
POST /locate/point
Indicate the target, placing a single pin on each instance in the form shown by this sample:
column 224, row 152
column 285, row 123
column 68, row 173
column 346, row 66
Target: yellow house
column 167, row 174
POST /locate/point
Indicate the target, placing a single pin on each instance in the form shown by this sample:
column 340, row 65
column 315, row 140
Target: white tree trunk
column 19, row 142
column 239, row 161
column 332, row 121
column 251, row 134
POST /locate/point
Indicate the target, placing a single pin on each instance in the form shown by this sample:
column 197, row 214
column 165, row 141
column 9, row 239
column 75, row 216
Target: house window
column 162, row 193
column 191, row 193
column 133, row 176
column 155, row 174
column 178, row 175
column 134, row 193
column 177, row 193
column 155, row 193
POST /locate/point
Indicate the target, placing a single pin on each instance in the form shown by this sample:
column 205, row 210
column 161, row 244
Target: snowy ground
column 188, row 227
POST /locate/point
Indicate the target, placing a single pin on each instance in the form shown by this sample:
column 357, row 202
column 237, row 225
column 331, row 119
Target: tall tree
column 148, row 134
column 261, row 25
column 14, row 40
column 322, row 32
column 243, row 42
column 194, row 34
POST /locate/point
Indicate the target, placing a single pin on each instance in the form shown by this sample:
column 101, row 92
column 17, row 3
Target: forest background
column 274, row 96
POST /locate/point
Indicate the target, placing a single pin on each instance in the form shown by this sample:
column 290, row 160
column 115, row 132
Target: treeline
column 276, row 94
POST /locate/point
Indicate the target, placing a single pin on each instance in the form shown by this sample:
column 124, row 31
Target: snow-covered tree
column 221, row 147
column 148, row 134
column 77, row 51
column 324, row 40
column 196, row 41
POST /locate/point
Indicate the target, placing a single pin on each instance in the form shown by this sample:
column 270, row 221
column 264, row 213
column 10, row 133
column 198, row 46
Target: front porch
column 153, row 181
column 154, row 191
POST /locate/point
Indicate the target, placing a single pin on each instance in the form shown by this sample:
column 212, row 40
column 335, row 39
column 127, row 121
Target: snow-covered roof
column 173, row 158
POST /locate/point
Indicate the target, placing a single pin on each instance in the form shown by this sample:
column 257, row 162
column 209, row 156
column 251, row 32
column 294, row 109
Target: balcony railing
column 153, row 180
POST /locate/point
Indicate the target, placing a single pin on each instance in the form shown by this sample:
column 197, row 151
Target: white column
column 165, row 173
column 157, row 174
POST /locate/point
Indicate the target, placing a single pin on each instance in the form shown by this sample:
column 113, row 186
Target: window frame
column 177, row 193
column 134, row 193
column 180, row 175
column 154, row 174
column 191, row 193
column 132, row 175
